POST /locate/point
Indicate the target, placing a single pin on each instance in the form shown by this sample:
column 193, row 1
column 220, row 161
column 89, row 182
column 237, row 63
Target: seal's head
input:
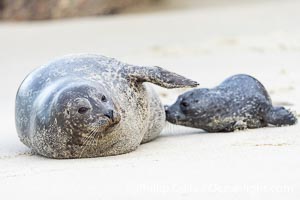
column 191, row 108
column 85, row 112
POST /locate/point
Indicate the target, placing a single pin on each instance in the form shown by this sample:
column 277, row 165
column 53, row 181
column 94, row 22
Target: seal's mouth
column 108, row 121
column 172, row 119
column 171, row 116
column 113, row 118
column 174, row 115
column 102, row 127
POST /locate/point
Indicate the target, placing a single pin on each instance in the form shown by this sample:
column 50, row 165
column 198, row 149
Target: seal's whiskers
column 88, row 139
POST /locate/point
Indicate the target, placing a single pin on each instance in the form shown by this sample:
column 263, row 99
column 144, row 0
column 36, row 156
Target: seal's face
column 190, row 109
column 86, row 112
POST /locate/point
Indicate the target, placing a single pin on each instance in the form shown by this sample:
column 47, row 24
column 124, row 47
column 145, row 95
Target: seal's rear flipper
column 161, row 77
column 279, row 116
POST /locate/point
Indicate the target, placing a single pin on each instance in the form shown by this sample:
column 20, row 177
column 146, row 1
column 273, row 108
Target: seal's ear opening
column 160, row 76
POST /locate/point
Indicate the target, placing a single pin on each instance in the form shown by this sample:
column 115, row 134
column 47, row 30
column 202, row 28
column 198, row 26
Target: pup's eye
column 185, row 104
column 103, row 99
column 83, row 110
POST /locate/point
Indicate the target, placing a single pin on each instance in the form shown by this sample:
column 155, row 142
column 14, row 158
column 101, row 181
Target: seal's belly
column 156, row 115
column 143, row 113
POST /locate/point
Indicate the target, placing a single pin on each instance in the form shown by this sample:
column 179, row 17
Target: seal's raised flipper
column 279, row 116
column 160, row 76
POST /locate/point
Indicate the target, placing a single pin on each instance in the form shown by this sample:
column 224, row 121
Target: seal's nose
column 110, row 114
column 167, row 111
column 166, row 108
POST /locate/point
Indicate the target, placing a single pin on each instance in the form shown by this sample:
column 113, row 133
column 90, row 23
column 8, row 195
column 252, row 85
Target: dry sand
column 205, row 43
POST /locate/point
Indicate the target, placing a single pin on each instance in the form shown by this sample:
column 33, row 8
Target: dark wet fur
column 239, row 102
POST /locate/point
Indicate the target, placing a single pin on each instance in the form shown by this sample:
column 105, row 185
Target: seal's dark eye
column 185, row 104
column 103, row 98
column 83, row 110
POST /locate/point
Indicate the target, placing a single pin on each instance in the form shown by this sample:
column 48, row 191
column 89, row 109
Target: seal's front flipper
column 279, row 116
column 159, row 76
column 240, row 125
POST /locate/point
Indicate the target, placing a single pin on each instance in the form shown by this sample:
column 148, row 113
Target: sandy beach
column 204, row 43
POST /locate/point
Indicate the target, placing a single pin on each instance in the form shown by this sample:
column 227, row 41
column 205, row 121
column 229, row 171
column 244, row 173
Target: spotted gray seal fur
column 239, row 102
column 90, row 105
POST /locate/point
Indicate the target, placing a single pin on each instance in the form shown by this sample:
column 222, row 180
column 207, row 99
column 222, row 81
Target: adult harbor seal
column 90, row 105
column 239, row 102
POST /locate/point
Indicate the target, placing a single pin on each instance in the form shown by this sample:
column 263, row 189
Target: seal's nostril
column 109, row 114
column 167, row 109
column 167, row 112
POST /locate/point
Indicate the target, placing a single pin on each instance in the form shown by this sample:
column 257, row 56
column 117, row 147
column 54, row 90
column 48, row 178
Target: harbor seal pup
column 239, row 102
column 90, row 105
